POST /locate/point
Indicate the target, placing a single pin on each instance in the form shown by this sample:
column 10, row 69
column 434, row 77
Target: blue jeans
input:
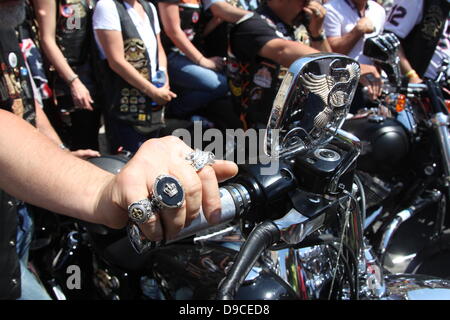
column 32, row 289
column 198, row 86
column 123, row 135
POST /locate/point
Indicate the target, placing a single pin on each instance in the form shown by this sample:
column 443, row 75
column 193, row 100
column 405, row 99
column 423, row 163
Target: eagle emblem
column 335, row 89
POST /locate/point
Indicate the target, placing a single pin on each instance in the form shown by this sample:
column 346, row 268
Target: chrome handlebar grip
column 234, row 199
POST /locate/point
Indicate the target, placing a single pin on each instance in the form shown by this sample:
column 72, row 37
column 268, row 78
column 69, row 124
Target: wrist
column 72, row 79
column 199, row 60
column 411, row 74
column 318, row 37
column 108, row 210
column 149, row 90
column 358, row 31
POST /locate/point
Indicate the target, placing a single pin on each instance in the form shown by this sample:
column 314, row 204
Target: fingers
column 225, row 170
column 192, row 186
column 219, row 62
column 136, row 186
column 85, row 154
column 167, row 156
column 87, row 104
column 210, row 195
column 152, row 229
column 83, row 102
column 315, row 9
column 172, row 94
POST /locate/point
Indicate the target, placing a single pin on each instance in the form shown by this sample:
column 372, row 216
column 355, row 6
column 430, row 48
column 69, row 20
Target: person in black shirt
column 263, row 45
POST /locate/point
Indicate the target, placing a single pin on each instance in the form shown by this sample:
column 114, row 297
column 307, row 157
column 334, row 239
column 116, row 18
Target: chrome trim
column 355, row 145
column 322, row 84
column 416, row 287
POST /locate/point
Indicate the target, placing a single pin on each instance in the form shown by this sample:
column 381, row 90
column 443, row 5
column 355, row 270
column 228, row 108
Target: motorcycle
column 293, row 232
column 404, row 168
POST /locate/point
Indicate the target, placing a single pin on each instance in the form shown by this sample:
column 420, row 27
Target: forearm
column 127, row 72
column 180, row 40
column 162, row 56
column 211, row 25
column 35, row 170
column 323, row 46
column 285, row 52
column 46, row 17
column 345, row 43
column 57, row 59
column 405, row 66
column 227, row 12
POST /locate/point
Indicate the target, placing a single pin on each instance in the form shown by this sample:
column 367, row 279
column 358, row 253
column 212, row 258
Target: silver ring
column 200, row 159
column 138, row 240
column 167, row 192
column 141, row 211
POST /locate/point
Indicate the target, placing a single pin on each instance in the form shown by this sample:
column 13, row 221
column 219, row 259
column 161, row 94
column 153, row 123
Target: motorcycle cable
column 261, row 238
column 436, row 98
column 333, row 242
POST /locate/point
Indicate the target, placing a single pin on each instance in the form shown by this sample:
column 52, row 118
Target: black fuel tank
column 385, row 142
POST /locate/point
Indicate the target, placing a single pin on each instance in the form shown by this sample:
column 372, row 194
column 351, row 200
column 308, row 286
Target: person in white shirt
column 424, row 30
column 347, row 24
column 128, row 36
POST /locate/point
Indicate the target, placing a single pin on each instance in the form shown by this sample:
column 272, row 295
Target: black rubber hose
column 436, row 98
column 262, row 237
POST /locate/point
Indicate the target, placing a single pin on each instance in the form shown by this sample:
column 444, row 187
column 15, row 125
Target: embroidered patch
column 12, row 60
column 235, row 90
column 135, row 55
column 67, row 10
column 195, row 17
column 263, row 78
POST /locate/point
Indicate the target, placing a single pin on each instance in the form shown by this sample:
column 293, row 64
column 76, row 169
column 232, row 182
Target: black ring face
column 168, row 192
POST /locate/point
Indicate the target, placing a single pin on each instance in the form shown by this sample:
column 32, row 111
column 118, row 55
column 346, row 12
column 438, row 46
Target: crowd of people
column 142, row 67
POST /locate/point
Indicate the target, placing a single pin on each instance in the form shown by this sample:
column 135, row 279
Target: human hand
column 213, row 63
column 162, row 95
column 415, row 80
column 85, row 153
column 413, row 77
column 317, row 13
column 365, row 25
column 371, row 79
column 81, row 96
column 135, row 182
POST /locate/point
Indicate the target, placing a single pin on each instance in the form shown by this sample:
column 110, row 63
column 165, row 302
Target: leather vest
column 15, row 96
column 421, row 43
column 16, row 93
column 127, row 103
column 74, row 29
column 254, row 84
column 190, row 12
column 10, row 285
